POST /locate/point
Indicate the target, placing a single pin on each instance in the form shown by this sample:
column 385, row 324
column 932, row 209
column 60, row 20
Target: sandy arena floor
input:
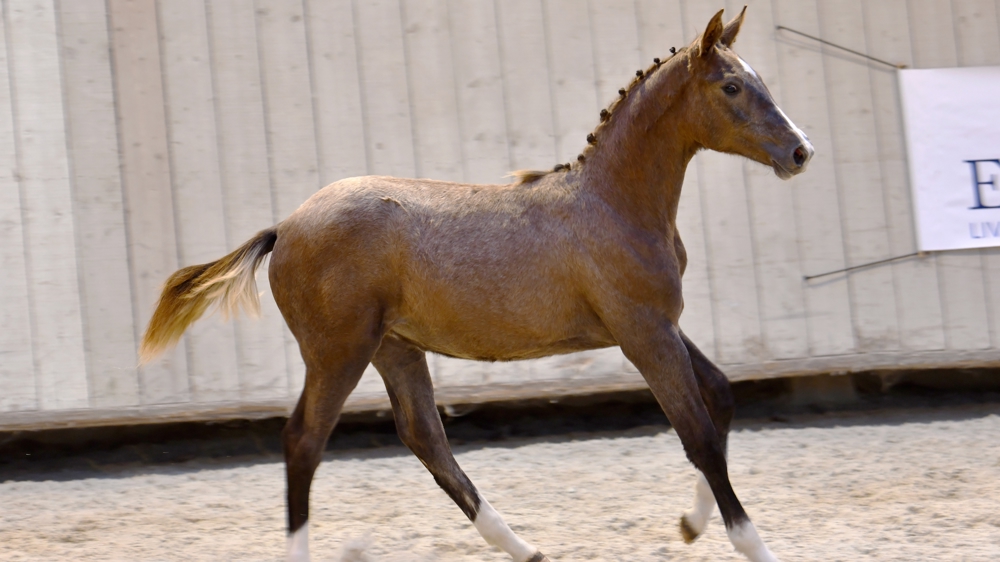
column 913, row 486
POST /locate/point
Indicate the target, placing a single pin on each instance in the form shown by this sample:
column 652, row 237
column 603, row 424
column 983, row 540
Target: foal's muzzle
column 794, row 162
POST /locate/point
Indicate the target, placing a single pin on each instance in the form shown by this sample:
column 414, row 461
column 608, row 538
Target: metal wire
column 825, row 42
column 852, row 268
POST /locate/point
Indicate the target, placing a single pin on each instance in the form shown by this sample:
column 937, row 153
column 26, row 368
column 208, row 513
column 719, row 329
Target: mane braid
column 527, row 176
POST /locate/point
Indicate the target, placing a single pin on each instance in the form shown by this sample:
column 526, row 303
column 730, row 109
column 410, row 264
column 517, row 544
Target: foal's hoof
column 688, row 532
column 538, row 557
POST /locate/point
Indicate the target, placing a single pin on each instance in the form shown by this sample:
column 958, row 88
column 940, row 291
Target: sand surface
column 910, row 486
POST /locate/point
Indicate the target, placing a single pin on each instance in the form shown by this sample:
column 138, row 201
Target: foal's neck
column 641, row 152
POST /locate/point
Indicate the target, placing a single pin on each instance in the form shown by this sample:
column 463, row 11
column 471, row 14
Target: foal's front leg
column 717, row 394
column 656, row 348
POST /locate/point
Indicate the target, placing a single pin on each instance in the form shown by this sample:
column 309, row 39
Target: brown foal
column 382, row 270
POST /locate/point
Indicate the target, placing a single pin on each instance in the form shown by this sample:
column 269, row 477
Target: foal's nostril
column 799, row 156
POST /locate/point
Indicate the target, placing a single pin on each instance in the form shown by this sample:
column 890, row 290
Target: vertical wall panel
column 918, row 303
column 727, row 235
column 697, row 321
column 145, row 168
column 615, row 36
column 525, row 71
column 17, row 388
column 659, row 27
column 772, row 206
column 960, row 272
column 933, row 36
column 856, row 160
column 571, row 75
column 436, row 134
column 336, row 90
column 991, row 272
column 49, row 229
column 194, row 161
column 245, row 177
column 977, row 42
column 820, row 238
column 730, row 258
column 109, row 339
column 388, row 131
column 476, row 58
column 287, row 103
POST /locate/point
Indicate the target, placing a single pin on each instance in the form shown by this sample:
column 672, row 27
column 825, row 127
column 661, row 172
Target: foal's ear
column 732, row 29
column 712, row 34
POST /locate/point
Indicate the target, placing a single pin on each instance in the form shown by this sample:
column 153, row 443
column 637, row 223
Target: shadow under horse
column 382, row 270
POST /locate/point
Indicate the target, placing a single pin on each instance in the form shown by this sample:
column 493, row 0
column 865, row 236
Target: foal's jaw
column 780, row 171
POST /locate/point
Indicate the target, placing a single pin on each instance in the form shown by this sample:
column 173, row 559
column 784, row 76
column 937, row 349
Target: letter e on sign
column 978, row 182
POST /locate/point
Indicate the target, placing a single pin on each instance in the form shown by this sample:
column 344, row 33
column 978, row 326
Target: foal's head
column 731, row 110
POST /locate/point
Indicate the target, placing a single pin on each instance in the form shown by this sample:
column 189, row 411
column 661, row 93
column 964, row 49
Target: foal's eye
column 731, row 89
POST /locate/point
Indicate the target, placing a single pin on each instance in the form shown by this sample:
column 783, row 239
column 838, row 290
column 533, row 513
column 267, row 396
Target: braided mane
column 528, row 176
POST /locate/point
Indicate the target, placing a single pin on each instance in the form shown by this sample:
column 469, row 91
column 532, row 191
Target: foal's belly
column 498, row 347
column 501, row 326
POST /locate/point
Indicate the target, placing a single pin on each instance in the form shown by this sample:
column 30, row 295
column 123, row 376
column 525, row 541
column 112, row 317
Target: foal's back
column 493, row 272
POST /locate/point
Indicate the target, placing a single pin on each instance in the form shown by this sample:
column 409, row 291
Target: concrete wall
column 138, row 136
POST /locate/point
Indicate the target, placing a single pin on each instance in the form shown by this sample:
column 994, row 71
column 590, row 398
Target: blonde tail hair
column 229, row 282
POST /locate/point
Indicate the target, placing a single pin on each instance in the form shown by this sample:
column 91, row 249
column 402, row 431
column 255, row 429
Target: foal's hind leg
column 658, row 351
column 332, row 371
column 404, row 369
column 717, row 395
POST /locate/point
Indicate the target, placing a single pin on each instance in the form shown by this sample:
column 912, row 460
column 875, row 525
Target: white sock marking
column 492, row 527
column 704, row 503
column 298, row 545
column 747, row 542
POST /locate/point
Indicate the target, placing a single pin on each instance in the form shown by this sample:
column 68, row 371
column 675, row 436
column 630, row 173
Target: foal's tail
column 228, row 282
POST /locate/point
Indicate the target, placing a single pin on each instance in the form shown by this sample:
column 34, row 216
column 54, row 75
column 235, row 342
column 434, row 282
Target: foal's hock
column 382, row 270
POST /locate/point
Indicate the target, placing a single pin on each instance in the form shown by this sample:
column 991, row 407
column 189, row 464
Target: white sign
column 952, row 119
